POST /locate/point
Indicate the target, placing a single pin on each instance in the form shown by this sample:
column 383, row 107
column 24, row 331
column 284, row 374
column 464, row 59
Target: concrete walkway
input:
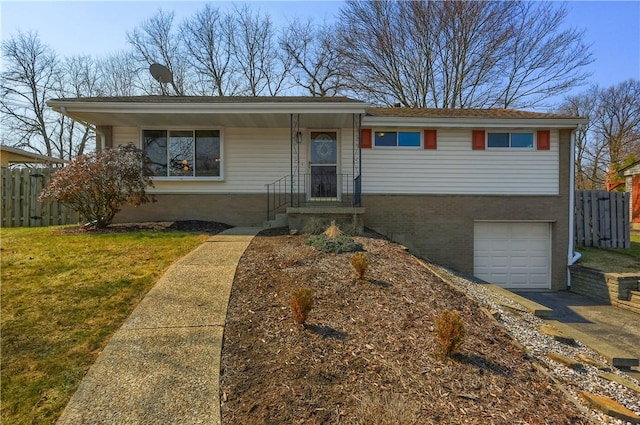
column 163, row 365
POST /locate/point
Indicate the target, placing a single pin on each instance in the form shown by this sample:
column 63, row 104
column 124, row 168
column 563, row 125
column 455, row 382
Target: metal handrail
column 338, row 189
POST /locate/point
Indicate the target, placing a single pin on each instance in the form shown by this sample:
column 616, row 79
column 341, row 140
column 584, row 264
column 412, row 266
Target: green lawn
column 613, row 260
column 63, row 296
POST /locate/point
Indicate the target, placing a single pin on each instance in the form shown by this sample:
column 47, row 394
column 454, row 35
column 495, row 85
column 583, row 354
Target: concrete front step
column 279, row 221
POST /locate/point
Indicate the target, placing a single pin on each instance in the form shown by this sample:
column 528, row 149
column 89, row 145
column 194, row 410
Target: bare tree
column 208, row 37
column 612, row 137
column 539, row 60
column 588, row 150
column 156, row 41
column 263, row 68
column 317, row 63
column 81, row 77
column 618, row 120
column 30, row 78
column 454, row 54
column 121, row 76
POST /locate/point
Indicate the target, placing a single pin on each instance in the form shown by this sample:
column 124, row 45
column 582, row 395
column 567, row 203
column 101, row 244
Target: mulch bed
column 368, row 354
column 191, row 226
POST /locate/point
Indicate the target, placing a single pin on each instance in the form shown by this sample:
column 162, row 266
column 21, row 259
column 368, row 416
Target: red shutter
column 478, row 140
column 365, row 138
column 544, row 140
column 431, row 139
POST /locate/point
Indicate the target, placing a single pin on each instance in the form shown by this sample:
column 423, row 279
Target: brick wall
column 235, row 210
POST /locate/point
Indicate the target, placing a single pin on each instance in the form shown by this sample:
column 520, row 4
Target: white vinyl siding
column 513, row 255
column 126, row 135
column 253, row 157
column 454, row 168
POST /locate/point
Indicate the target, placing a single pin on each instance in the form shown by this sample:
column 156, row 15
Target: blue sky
column 99, row 27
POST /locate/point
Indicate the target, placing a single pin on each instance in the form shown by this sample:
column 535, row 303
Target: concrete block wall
column 609, row 288
column 593, row 284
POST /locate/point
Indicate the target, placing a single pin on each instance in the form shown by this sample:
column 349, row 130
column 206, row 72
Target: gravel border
column 524, row 328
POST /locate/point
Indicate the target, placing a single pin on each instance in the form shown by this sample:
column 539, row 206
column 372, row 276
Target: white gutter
column 63, row 111
column 571, row 256
column 209, row 108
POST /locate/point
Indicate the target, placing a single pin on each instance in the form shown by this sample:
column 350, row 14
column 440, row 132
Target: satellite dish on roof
column 161, row 73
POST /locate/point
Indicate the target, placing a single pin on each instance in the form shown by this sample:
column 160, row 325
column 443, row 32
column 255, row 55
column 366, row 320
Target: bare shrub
column 360, row 263
column 301, row 304
column 290, row 255
column 450, row 332
column 333, row 231
column 313, row 226
column 386, row 409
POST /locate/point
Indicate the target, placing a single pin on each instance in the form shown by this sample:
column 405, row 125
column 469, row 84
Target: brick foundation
column 235, row 210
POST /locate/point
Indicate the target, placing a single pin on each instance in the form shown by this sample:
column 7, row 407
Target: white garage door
column 513, row 255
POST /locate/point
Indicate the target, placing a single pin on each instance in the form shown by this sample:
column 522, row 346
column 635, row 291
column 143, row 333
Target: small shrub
column 98, row 184
column 313, row 226
column 333, row 231
column 333, row 240
column 301, row 304
column 337, row 245
column 360, row 262
column 450, row 332
column 387, row 409
column 354, row 228
column 290, row 255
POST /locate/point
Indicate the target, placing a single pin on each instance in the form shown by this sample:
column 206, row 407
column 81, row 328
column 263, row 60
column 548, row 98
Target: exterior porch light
column 299, row 137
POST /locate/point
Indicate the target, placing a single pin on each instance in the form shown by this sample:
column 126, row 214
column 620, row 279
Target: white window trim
column 219, row 178
column 510, row 148
column 397, row 130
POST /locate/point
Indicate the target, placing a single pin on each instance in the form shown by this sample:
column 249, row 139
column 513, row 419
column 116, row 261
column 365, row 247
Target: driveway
column 617, row 327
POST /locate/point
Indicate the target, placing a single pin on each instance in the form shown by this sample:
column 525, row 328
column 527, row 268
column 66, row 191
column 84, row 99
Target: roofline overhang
column 71, row 107
column 473, row 122
column 30, row 156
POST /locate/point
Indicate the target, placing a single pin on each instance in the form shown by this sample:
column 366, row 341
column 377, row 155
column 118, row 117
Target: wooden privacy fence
column 20, row 206
column 602, row 219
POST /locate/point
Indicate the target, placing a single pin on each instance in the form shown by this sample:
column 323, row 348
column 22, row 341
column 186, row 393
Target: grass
column 63, row 296
column 613, row 260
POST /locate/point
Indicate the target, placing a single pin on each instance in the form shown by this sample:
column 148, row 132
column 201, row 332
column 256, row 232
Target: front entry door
column 323, row 165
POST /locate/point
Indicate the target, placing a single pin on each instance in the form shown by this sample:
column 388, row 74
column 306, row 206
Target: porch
column 324, row 183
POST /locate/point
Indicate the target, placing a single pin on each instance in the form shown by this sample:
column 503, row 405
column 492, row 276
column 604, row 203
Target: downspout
column 572, row 256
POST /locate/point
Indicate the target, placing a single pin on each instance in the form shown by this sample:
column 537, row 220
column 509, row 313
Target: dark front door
column 324, row 165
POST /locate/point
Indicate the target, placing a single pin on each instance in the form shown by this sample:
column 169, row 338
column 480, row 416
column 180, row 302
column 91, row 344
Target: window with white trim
column 184, row 153
column 520, row 140
column 402, row 139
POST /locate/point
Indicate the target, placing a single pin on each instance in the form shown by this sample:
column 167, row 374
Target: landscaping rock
column 593, row 362
column 620, row 380
column 567, row 361
column 557, row 335
column 610, row 407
